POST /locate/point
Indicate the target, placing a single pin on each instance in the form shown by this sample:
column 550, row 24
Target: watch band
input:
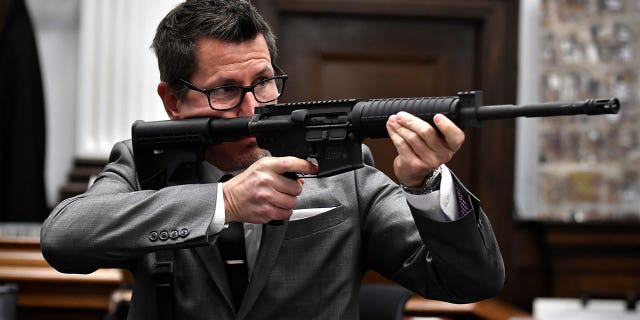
column 431, row 184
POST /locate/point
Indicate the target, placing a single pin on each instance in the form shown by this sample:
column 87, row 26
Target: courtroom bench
column 43, row 292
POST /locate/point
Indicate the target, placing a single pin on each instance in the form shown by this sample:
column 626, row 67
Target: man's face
column 221, row 63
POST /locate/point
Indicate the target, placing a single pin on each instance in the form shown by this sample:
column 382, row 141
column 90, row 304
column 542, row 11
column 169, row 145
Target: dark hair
column 178, row 33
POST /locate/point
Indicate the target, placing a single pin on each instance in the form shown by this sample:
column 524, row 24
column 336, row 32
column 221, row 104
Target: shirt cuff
column 445, row 198
column 217, row 222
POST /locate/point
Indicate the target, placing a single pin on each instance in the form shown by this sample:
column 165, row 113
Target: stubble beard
column 233, row 156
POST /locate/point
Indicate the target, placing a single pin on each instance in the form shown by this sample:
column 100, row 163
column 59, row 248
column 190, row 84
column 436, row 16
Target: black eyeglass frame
column 207, row 92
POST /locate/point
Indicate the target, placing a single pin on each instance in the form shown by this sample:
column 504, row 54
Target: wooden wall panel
column 360, row 56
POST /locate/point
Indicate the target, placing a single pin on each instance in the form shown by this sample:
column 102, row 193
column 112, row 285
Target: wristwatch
column 432, row 184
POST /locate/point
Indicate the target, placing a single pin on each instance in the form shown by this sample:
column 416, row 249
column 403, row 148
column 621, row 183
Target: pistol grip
column 292, row 176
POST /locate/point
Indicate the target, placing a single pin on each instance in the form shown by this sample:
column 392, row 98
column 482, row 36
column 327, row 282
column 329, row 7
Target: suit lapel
column 215, row 266
column 272, row 237
column 210, row 256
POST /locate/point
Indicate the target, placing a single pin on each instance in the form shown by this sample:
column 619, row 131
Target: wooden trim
column 48, row 274
column 491, row 309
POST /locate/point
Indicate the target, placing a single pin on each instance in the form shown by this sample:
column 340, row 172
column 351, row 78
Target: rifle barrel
column 549, row 109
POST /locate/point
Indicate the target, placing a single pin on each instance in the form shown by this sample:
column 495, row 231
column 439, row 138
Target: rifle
column 330, row 131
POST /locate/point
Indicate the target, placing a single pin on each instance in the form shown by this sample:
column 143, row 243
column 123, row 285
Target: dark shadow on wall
column 22, row 119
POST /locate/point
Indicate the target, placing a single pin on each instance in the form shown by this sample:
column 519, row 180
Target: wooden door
column 359, row 56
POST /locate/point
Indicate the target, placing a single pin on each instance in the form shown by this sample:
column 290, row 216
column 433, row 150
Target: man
column 437, row 242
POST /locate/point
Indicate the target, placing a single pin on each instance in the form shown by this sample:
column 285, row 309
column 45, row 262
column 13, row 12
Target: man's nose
column 248, row 104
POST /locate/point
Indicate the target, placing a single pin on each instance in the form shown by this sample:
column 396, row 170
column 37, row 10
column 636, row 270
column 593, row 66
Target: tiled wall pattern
column 590, row 166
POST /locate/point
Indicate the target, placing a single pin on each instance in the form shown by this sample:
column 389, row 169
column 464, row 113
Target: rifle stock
column 330, row 131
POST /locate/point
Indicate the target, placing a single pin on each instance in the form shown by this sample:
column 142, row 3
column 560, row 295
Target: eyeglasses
column 228, row 97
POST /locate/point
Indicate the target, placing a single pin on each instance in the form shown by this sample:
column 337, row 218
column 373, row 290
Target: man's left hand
column 421, row 149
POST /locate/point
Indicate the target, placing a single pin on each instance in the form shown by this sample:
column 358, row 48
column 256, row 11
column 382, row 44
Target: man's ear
column 169, row 99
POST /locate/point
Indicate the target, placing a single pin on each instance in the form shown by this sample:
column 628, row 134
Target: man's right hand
column 262, row 193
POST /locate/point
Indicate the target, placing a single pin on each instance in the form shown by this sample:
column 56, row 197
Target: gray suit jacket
column 305, row 269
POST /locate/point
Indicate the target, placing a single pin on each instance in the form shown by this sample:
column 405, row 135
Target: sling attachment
column 162, row 279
